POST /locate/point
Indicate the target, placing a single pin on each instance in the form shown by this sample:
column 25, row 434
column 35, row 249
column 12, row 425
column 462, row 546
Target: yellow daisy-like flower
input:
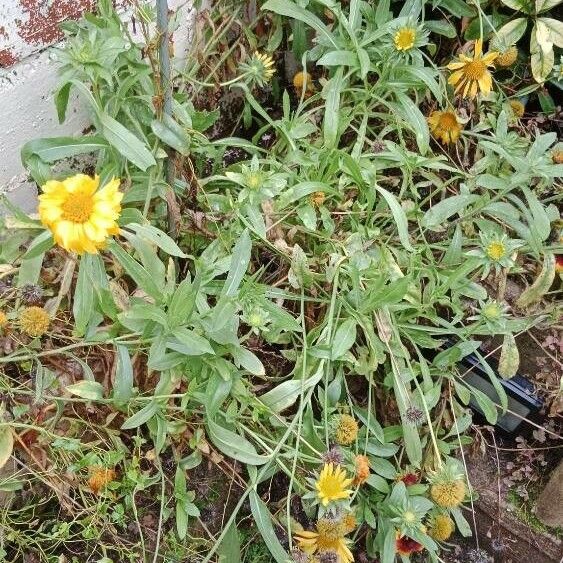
column 328, row 537
column 445, row 126
column 80, row 216
column 507, row 58
column 332, row 484
column 267, row 63
column 496, row 250
column 517, row 107
column 448, row 494
column 346, row 429
column 34, row 321
column 471, row 74
column 441, row 527
column 404, row 38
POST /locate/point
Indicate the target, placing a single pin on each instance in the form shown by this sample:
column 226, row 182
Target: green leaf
column 443, row 210
column 139, row 274
column 56, row 148
column 542, row 58
column 486, row 405
column 263, row 520
column 39, row 245
column 158, row 237
column 332, row 92
column 192, row 344
column 339, row 58
column 82, row 306
column 510, row 33
column 399, row 216
column 86, row 389
column 6, row 444
column 182, row 302
column 30, row 269
column 555, row 29
column 509, row 360
column 239, row 264
column 172, row 134
column 544, row 5
column 343, row 339
column 291, row 10
column 142, row 416
column 246, row 359
column 233, row 445
column 123, row 383
column 413, row 119
column 125, row 142
column 229, row 548
column 441, row 27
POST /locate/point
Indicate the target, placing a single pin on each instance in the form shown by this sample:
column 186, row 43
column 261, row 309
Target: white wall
column 27, row 110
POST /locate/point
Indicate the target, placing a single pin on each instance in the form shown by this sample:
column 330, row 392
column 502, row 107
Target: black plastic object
column 522, row 399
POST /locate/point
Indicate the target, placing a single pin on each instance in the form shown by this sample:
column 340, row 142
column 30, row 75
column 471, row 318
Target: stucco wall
column 28, row 77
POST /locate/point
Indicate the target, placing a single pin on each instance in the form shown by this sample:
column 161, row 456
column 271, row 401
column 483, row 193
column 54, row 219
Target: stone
column 549, row 507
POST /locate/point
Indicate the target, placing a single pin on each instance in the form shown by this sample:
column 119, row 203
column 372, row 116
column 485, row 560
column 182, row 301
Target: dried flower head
column 100, row 477
column 441, row 527
column 478, row 556
column 471, row 74
column 31, row 294
column 329, row 556
column 507, row 57
column 3, row 320
column 518, row 108
column 349, row 522
column 303, row 81
column 334, row 456
column 362, row 469
column 34, row 321
column 332, row 484
column 414, row 415
column 345, row 429
column 316, row 199
column 557, row 156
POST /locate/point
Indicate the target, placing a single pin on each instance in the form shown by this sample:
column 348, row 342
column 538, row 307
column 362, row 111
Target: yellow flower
column 34, row 321
column 507, row 58
column 448, row 494
column 3, row 320
column 471, row 74
column 303, row 79
column 445, row 126
column 80, row 216
column 328, row 537
column 267, row 64
column 496, row 250
column 404, row 38
column 331, row 484
column 441, row 527
column 346, row 429
column 518, row 108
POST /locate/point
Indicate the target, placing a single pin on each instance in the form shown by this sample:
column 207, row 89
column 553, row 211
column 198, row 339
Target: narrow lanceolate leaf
column 83, row 296
column 332, row 108
column 86, row 389
column 233, row 445
column 263, row 520
column 509, row 358
column 542, row 284
column 6, row 444
column 344, row 339
column 131, row 147
column 239, row 264
column 123, row 383
column 399, row 217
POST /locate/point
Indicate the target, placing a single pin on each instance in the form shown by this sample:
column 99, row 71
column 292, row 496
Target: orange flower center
column 475, row 70
column 77, row 208
column 448, row 121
